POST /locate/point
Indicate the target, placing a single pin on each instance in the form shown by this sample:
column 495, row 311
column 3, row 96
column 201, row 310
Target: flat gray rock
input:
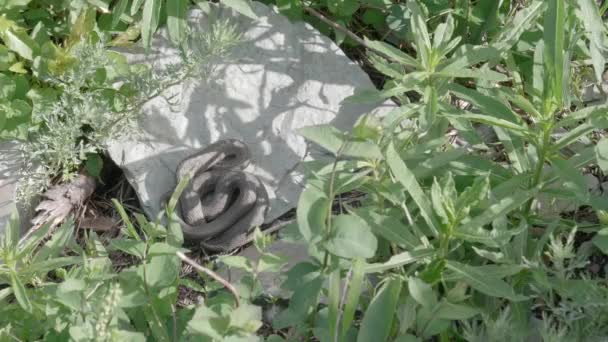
column 282, row 77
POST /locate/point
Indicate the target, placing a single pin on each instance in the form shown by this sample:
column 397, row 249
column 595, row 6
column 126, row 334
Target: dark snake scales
column 221, row 203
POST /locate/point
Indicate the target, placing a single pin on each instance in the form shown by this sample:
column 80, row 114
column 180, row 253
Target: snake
column 221, row 202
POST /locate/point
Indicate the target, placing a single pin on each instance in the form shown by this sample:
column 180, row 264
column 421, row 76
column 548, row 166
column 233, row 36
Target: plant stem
column 212, row 274
column 542, row 155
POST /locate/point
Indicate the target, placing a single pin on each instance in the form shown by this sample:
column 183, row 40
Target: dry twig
column 212, row 274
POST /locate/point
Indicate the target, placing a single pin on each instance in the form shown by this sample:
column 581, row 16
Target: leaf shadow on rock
column 282, row 76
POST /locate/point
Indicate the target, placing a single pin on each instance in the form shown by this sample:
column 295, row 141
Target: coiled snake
column 221, row 203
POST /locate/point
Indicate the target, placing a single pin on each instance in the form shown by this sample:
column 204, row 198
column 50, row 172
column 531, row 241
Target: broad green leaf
column 311, row 213
column 480, row 281
column 241, row 6
column 453, row 311
column 20, row 293
column 361, row 149
column 443, row 32
column 354, row 293
column 422, row 292
column 20, row 42
column 600, row 240
column 326, row 136
column 94, row 164
column 162, row 271
column 601, row 152
column 378, row 318
column 554, row 32
column 351, row 238
column 389, row 227
column 401, row 259
column 572, row 178
column 176, row 20
column 487, row 11
column 408, row 180
column 149, row 23
column 132, row 247
column 118, row 10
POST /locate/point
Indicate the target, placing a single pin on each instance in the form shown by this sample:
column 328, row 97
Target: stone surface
column 10, row 167
column 283, row 76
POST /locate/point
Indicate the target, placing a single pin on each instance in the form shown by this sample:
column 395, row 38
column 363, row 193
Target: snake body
column 221, row 203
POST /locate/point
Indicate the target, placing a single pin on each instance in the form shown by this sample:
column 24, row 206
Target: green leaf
column 486, row 104
column 354, row 293
column 389, row 227
column 163, row 271
column 487, row 75
column 601, row 153
column 600, row 240
column 408, row 180
column 292, row 9
column 492, row 121
column 176, row 20
column 351, row 238
column 420, row 32
column 589, row 15
column 119, row 10
column 378, row 318
column 554, row 31
column 401, row 259
column 94, row 164
column 311, row 213
column 241, row 6
column 392, row 53
column 333, row 297
column 132, row 247
column 11, row 234
column 422, row 292
column 84, row 25
column 20, row 293
column 326, row 136
column 20, row 42
column 572, row 179
column 135, row 6
column 149, row 23
column 483, row 283
column 131, row 232
column 458, row 312
column 469, row 57
column 520, row 23
column 472, row 229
